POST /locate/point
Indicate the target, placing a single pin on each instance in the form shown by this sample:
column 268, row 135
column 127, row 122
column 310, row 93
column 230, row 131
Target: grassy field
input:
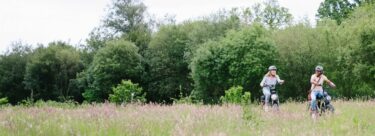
column 351, row 118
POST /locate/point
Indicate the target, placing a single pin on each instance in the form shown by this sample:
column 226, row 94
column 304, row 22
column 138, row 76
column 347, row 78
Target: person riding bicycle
column 270, row 80
column 317, row 81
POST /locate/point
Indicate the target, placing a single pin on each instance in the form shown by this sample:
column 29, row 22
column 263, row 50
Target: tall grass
column 351, row 118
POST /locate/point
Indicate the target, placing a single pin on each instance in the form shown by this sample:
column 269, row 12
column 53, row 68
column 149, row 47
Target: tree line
column 200, row 58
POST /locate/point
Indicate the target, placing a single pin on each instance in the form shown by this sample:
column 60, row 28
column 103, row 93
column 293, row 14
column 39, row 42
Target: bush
column 183, row 100
column 26, row 102
column 186, row 100
column 246, row 98
column 3, row 101
column 235, row 95
column 127, row 92
column 49, row 103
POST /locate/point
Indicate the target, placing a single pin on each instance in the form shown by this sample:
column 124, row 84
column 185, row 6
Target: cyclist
column 317, row 81
column 269, row 80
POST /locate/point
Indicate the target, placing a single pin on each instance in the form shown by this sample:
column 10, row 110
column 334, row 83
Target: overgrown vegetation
column 197, row 60
column 49, row 118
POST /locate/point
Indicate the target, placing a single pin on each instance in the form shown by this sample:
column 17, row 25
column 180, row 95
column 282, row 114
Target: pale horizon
column 45, row 21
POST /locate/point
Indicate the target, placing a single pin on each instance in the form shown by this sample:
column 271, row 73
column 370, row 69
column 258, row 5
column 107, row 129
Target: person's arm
column 330, row 83
column 279, row 80
column 312, row 81
column 263, row 81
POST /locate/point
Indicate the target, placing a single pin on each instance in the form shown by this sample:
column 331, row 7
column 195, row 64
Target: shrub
column 127, row 92
column 26, row 102
column 183, row 100
column 3, row 101
column 50, row 103
column 246, row 98
column 235, row 95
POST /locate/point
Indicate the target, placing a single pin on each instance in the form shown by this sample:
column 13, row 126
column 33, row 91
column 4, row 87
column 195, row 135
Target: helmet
column 318, row 68
column 272, row 68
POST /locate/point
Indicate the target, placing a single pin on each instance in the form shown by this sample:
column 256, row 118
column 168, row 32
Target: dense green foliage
column 336, row 9
column 126, row 19
column 116, row 61
column 339, row 9
column 240, row 58
column 299, row 55
column 51, row 71
column 272, row 14
column 168, row 71
column 3, row 101
column 12, row 71
column 171, row 50
column 197, row 60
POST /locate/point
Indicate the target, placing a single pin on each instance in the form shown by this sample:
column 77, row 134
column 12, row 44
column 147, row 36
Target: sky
column 44, row 21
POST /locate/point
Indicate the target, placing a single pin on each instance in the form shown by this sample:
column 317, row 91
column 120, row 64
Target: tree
column 339, row 10
column 356, row 36
column 362, row 49
column 168, row 71
column 171, row 50
column 126, row 18
column 12, row 70
column 299, row 55
column 238, row 59
column 335, row 9
column 118, row 60
column 268, row 13
column 363, row 2
column 274, row 15
column 210, row 28
column 364, row 68
column 125, row 15
column 50, row 72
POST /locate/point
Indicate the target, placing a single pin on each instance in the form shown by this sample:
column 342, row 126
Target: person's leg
column 267, row 94
column 320, row 93
column 313, row 100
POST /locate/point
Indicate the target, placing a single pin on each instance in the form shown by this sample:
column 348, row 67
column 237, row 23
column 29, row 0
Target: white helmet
column 272, row 68
column 319, row 68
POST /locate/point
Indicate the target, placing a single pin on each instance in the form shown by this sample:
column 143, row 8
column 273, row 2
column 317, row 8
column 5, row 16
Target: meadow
column 350, row 118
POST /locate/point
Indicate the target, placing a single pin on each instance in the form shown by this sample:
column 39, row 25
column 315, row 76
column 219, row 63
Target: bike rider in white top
column 270, row 79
